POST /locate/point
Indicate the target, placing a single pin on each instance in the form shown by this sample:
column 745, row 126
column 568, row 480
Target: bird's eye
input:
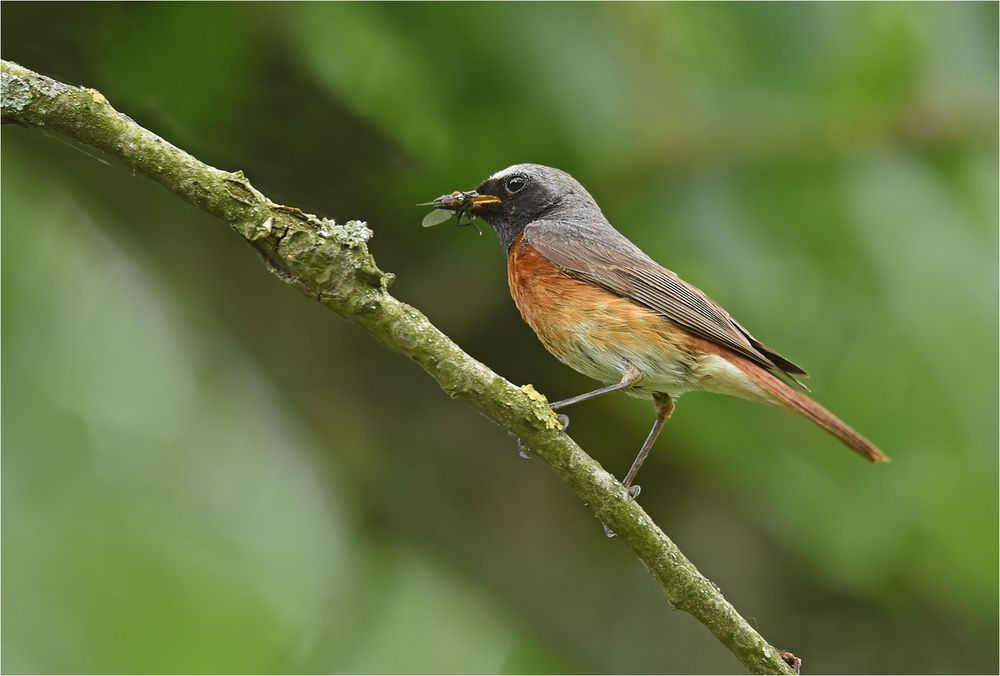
column 516, row 184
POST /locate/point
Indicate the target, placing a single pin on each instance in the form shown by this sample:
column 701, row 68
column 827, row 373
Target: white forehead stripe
column 504, row 172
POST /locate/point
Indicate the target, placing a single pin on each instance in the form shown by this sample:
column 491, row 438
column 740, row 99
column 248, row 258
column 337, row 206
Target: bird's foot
column 633, row 492
column 525, row 452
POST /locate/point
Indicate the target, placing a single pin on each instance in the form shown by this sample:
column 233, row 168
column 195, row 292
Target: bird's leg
column 664, row 409
column 629, row 378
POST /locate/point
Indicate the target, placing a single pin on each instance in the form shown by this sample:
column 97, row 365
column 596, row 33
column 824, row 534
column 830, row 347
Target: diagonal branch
column 331, row 263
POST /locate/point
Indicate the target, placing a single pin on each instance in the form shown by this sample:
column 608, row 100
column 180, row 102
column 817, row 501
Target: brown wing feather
column 599, row 254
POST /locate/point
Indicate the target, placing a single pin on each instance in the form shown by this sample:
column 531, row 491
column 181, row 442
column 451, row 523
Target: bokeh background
column 205, row 471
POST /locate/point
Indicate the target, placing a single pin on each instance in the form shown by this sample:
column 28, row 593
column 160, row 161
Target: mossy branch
column 331, row 263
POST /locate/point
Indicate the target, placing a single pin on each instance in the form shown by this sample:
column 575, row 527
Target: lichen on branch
column 330, row 262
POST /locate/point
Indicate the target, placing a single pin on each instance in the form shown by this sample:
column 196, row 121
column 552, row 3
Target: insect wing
column 436, row 217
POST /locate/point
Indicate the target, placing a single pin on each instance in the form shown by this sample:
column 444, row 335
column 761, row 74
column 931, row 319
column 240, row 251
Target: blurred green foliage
column 204, row 471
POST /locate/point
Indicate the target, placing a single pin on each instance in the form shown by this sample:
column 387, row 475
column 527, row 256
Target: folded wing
column 599, row 254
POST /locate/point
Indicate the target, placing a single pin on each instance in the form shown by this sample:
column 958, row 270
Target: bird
column 603, row 307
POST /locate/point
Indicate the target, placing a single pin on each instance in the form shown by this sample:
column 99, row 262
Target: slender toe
column 523, row 450
column 563, row 420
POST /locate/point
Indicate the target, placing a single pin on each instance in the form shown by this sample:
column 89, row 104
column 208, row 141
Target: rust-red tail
column 797, row 402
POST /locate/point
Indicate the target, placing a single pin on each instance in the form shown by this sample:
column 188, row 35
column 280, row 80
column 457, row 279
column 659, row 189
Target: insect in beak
column 462, row 204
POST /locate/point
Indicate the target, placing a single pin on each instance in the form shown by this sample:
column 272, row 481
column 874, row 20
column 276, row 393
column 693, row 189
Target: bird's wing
column 599, row 254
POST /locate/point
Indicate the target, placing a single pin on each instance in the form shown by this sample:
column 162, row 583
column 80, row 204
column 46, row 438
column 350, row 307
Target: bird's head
column 512, row 198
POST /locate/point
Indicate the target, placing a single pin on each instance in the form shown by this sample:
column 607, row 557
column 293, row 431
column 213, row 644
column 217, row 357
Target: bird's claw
column 633, row 492
column 525, row 452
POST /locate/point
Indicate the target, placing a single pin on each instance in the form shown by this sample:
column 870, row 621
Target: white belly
column 687, row 373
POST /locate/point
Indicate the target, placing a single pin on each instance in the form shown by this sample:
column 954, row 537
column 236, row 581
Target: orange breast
column 592, row 330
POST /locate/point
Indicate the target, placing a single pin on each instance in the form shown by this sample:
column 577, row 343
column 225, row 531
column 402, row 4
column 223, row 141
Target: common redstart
column 606, row 309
